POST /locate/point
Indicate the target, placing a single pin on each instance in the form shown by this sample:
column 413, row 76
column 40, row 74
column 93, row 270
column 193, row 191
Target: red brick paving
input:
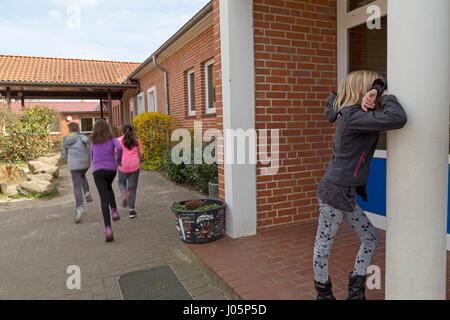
column 277, row 264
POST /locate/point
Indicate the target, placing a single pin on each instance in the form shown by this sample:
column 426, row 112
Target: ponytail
column 129, row 141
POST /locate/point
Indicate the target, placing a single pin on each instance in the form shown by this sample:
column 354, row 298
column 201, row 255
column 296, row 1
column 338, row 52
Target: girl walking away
column 76, row 152
column 104, row 168
column 356, row 139
column 129, row 170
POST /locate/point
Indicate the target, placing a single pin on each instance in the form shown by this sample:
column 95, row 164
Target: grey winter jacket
column 76, row 151
column 357, row 137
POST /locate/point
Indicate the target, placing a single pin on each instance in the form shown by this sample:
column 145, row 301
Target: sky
column 117, row 30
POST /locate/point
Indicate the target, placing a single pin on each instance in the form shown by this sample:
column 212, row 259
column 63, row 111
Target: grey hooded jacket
column 357, row 137
column 76, row 151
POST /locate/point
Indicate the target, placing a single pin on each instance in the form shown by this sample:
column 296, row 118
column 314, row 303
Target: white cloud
column 79, row 3
column 55, row 14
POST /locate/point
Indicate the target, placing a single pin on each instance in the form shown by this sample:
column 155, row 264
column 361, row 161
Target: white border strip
column 379, row 222
column 382, row 154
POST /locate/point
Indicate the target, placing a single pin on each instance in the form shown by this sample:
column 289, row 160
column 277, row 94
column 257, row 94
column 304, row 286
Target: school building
column 271, row 64
column 84, row 113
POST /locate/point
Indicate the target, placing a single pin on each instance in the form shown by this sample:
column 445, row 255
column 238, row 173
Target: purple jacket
column 103, row 155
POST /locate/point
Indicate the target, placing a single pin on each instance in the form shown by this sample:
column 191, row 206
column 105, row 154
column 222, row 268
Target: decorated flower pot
column 201, row 224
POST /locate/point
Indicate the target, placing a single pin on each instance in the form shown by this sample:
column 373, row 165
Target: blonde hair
column 354, row 87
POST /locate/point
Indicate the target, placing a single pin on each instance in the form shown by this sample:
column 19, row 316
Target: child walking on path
column 104, row 168
column 357, row 134
column 130, row 168
column 76, row 152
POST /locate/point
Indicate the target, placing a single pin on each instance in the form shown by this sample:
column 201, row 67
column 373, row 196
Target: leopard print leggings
column 329, row 222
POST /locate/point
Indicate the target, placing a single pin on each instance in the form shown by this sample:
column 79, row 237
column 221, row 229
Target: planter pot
column 213, row 190
column 200, row 226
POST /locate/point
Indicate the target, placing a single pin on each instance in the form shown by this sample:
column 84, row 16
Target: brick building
column 294, row 54
column 82, row 112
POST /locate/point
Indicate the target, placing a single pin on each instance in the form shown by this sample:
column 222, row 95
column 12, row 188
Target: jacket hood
column 72, row 139
column 331, row 114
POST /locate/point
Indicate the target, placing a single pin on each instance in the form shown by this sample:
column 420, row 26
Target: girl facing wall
column 357, row 134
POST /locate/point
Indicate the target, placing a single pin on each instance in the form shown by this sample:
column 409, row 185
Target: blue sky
column 118, row 30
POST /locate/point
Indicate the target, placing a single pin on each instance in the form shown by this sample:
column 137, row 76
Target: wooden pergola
column 59, row 78
column 102, row 92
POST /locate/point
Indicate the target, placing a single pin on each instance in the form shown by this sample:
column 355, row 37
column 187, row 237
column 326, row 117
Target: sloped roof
column 63, row 71
column 63, row 106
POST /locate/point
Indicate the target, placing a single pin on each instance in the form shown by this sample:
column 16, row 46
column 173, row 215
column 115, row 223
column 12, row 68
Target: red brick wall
column 192, row 55
column 218, row 104
column 76, row 118
column 295, row 64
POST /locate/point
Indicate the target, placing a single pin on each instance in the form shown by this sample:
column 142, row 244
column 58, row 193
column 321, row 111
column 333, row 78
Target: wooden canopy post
column 110, row 108
column 101, row 109
column 8, row 97
column 122, row 121
column 22, row 101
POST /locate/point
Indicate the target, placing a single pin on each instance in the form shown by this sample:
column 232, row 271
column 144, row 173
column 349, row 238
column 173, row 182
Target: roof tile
column 61, row 70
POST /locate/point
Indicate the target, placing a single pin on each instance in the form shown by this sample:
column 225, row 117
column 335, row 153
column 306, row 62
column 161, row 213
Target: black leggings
column 103, row 180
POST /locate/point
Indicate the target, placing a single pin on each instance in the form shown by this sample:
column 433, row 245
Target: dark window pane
column 355, row 4
column 368, row 48
column 192, row 89
column 211, row 89
column 86, row 124
column 368, row 51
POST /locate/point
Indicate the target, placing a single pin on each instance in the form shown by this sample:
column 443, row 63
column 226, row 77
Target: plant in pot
column 199, row 221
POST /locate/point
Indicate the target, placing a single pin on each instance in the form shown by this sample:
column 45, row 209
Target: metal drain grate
column 159, row 283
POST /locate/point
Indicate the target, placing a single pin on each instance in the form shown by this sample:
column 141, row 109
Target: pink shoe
column 115, row 214
column 108, row 234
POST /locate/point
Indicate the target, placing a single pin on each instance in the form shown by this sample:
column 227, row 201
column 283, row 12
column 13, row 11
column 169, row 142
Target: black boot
column 356, row 287
column 324, row 290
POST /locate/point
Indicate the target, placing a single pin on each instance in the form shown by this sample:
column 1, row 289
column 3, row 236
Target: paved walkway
column 39, row 240
column 277, row 264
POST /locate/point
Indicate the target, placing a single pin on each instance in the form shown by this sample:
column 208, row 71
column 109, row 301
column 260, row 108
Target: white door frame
column 347, row 20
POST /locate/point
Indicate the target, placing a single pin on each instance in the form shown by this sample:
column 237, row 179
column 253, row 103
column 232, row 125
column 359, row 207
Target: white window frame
column 208, row 110
column 139, row 106
column 152, row 90
column 93, row 123
column 81, row 126
column 347, row 20
column 188, row 73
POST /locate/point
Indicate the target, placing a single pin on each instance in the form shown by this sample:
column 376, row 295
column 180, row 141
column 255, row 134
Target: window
column 140, row 104
column 191, row 92
column 87, row 124
column 355, row 4
column 151, row 95
column 361, row 47
column 368, row 48
column 210, row 92
column 55, row 127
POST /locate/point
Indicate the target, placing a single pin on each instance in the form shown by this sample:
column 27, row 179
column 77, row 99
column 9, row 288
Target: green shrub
column 27, row 133
column 198, row 175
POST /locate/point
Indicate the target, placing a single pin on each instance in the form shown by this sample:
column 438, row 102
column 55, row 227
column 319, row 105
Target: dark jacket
column 357, row 137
